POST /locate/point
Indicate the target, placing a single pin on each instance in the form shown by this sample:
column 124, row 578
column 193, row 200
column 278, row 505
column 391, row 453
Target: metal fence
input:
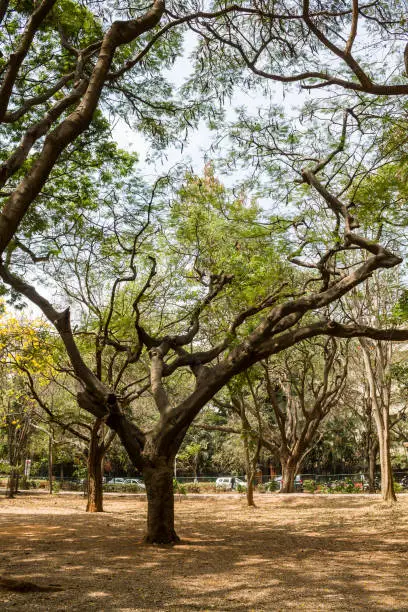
column 69, row 483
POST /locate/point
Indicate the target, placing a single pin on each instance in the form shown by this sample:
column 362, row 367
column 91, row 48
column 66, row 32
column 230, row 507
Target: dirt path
column 290, row 553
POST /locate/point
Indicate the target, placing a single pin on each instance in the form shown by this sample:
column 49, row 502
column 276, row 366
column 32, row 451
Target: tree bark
column 381, row 410
column 95, row 483
column 158, row 477
column 372, row 460
column 387, row 481
column 50, row 464
column 11, row 489
column 289, row 470
column 250, row 488
column 250, row 471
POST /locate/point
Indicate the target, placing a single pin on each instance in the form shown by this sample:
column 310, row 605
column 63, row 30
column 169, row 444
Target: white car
column 228, row 483
column 135, row 481
column 225, row 482
column 240, row 483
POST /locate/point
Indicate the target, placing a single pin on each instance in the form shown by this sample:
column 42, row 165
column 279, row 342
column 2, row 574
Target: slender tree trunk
column 250, row 465
column 250, row 488
column 11, row 485
column 250, row 472
column 372, row 461
column 289, row 469
column 387, row 481
column 50, row 464
column 158, row 477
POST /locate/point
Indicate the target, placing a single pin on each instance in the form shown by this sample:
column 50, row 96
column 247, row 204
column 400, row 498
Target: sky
column 197, row 150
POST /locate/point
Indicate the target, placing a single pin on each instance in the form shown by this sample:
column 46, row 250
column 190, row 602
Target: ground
column 295, row 552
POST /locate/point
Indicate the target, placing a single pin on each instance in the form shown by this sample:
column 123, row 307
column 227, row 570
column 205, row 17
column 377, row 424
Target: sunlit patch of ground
column 290, row 553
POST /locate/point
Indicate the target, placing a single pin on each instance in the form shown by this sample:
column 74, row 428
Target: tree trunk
column 289, row 470
column 250, row 472
column 11, row 488
column 381, row 406
column 95, row 481
column 50, row 464
column 387, row 481
column 158, row 477
column 372, row 460
column 250, row 488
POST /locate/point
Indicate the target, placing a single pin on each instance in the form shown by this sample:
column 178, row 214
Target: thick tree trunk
column 289, row 470
column 95, row 482
column 158, row 477
column 380, row 406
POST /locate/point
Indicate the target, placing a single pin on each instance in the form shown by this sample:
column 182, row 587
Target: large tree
column 279, row 320
column 264, row 322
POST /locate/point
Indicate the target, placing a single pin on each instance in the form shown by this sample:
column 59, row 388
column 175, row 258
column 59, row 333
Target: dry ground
column 292, row 552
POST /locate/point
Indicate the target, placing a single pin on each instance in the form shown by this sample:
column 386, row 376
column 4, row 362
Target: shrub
column 178, row 487
column 261, row 488
column 119, row 488
column 192, row 487
column 310, row 486
column 207, row 487
column 270, row 486
column 324, row 488
column 398, row 488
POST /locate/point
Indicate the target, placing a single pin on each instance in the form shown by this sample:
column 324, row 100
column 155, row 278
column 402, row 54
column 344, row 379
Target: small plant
column 270, row 486
column 324, row 488
column 178, row 487
column 398, row 488
column 240, row 489
column 310, row 486
column 56, row 487
column 192, row 487
column 261, row 488
column 207, row 487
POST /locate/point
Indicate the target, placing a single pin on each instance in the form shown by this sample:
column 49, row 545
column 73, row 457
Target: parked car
column 240, row 483
column 118, row 481
column 225, row 482
column 228, row 483
column 135, row 481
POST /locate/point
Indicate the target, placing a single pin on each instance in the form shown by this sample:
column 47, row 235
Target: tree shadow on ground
column 280, row 556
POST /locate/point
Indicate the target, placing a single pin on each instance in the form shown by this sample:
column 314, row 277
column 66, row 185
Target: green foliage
column 192, row 487
column 123, row 488
column 223, row 233
column 398, row 488
column 309, row 486
column 271, row 486
column 178, row 487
